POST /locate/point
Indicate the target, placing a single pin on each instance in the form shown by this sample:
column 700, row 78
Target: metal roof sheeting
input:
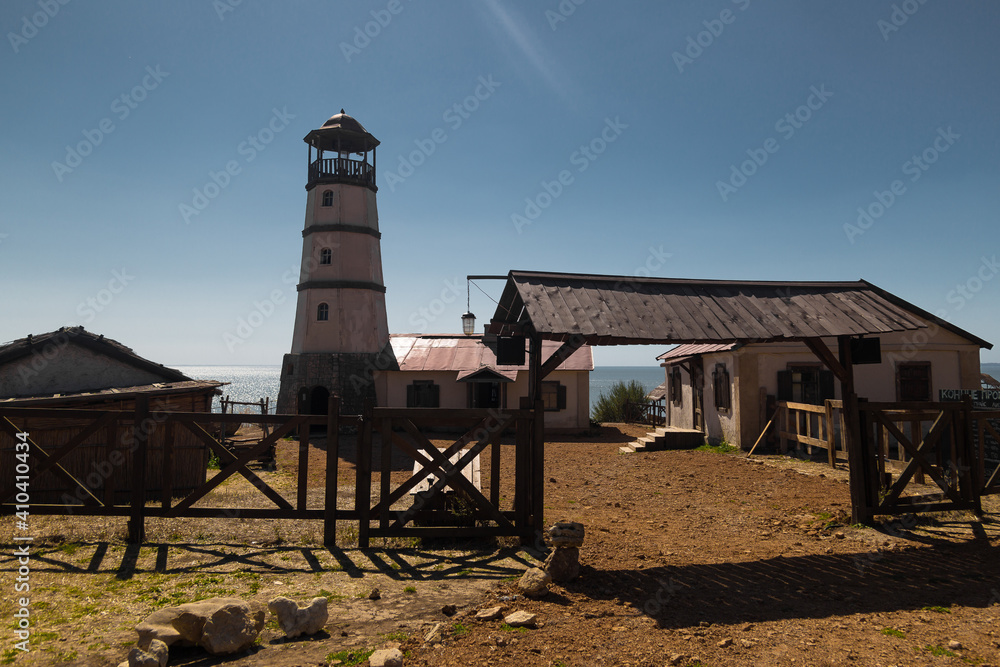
column 625, row 310
column 689, row 350
column 443, row 352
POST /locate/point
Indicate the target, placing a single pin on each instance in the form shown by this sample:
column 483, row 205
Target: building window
column 553, row 396
column 322, row 312
column 486, row 394
column 805, row 383
column 423, row 394
column 720, row 382
column 676, row 397
column 289, row 369
column 325, row 255
column 328, row 198
column 913, row 381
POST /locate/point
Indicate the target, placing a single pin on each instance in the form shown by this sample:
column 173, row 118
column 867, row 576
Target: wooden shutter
column 561, row 400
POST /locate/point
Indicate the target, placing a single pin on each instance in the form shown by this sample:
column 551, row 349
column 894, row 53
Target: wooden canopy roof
column 626, row 310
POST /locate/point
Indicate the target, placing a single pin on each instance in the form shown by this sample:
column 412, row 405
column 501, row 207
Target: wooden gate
column 441, row 494
column 923, row 442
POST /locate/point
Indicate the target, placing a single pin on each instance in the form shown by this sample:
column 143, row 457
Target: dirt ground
column 690, row 558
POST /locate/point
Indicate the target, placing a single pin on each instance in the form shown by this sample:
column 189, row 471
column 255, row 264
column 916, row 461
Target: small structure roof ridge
column 515, row 273
column 22, row 347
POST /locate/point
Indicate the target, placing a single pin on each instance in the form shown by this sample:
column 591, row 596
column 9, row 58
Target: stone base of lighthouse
column 309, row 379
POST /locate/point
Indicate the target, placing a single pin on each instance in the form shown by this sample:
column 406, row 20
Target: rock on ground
column 521, row 619
column 219, row 625
column 563, row 564
column 298, row 620
column 534, row 582
column 565, row 534
column 489, row 614
column 387, row 657
column 155, row 654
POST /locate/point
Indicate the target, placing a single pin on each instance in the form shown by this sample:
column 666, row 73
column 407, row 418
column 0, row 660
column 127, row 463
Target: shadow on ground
column 813, row 586
column 396, row 563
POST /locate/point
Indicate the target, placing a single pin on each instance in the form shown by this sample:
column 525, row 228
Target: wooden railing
column 652, row 413
column 811, row 426
column 342, row 169
column 806, row 427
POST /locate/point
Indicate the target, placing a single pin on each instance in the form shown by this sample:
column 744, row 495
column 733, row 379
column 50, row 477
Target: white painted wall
column 391, row 392
column 954, row 365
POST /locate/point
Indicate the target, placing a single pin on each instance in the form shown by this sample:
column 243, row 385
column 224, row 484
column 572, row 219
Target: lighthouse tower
column 341, row 329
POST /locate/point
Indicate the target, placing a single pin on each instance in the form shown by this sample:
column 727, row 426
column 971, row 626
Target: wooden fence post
column 973, row 463
column 332, row 461
column 859, row 460
column 831, row 443
column 538, row 468
column 140, row 440
column 363, row 485
column 522, row 507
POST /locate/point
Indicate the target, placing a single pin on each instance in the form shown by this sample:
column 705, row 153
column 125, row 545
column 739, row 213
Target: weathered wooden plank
column 228, row 459
column 238, row 465
column 140, row 435
column 330, row 514
column 435, row 416
column 918, row 459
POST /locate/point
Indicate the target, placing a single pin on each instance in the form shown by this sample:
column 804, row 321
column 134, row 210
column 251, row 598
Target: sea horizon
column 252, row 382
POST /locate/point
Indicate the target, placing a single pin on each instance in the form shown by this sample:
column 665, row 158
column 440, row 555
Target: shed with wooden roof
column 74, row 368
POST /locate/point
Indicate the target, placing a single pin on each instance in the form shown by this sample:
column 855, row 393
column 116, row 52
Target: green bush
column 610, row 407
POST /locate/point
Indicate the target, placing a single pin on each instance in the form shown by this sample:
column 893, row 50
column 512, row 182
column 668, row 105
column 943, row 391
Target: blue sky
column 717, row 139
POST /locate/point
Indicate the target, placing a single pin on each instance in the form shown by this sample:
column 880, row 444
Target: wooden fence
column 652, row 413
column 810, row 427
column 943, row 444
column 938, row 449
column 94, row 493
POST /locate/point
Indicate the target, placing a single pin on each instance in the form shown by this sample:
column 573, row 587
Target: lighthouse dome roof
column 342, row 132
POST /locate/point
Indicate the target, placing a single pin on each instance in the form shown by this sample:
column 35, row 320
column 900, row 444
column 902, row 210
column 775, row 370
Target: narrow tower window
column 325, row 255
column 328, row 198
column 322, row 312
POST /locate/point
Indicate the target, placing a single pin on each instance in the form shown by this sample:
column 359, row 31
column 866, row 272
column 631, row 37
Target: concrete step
column 669, row 437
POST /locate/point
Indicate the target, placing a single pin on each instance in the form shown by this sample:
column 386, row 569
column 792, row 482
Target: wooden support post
column 972, row 464
column 167, row 491
column 495, row 473
column 363, row 487
column 831, row 442
column 859, row 460
column 136, row 522
column 111, row 435
column 332, row 462
column 522, row 509
column 385, row 471
column 534, row 366
column 302, row 481
column 784, row 426
column 538, row 468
